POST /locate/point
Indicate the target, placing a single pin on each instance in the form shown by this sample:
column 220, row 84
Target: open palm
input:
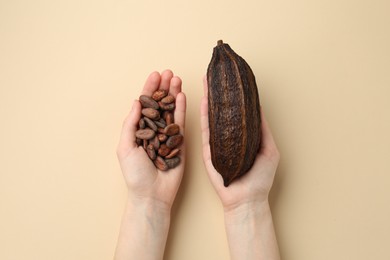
column 255, row 185
column 143, row 179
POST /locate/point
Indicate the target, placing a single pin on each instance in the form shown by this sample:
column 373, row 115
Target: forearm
column 250, row 232
column 143, row 232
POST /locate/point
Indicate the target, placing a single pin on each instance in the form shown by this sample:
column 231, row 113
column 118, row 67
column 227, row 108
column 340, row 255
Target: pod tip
column 219, row 42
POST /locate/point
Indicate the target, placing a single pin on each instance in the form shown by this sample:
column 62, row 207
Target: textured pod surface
column 234, row 113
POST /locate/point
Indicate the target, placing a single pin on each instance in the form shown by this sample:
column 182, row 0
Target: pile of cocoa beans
column 157, row 133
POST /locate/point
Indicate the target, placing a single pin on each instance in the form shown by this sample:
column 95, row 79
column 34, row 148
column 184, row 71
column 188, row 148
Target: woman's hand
column 255, row 185
column 248, row 220
column 144, row 181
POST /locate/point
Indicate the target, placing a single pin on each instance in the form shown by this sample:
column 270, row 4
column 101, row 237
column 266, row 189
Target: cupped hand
column 255, row 185
column 144, row 181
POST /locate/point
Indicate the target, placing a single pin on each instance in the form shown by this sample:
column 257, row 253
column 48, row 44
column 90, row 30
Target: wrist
column 247, row 212
column 149, row 207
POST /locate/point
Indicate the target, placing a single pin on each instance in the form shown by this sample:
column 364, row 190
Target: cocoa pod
column 159, row 94
column 173, row 162
column 234, row 113
column 145, row 134
column 173, row 153
column 164, row 150
column 172, row 129
column 151, row 113
column 150, row 123
column 160, row 163
column 168, row 99
column 148, row 102
column 174, row 141
column 151, row 152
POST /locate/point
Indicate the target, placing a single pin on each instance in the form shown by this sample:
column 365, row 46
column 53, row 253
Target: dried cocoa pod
column 168, row 99
column 151, row 152
column 151, row 113
column 145, row 134
column 173, row 153
column 148, row 102
column 172, row 129
column 160, row 163
column 174, row 141
column 234, row 113
column 173, row 162
column 150, row 124
column 159, row 94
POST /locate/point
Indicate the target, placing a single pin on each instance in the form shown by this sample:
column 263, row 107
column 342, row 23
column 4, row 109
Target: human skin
column 151, row 192
column 248, row 220
column 146, row 220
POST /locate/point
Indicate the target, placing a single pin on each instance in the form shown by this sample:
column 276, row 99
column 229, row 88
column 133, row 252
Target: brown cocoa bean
column 155, row 142
column 159, row 94
column 174, row 141
column 163, row 150
column 161, row 123
column 169, row 118
column 168, row 99
column 151, row 113
column 173, row 153
column 168, row 107
column 151, row 152
column 160, row 163
column 172, row 162
column 148, row 102
column 141, row 123
column 151, row 124
column 172, row 129
column 162, row 137
column 157, row 133
column 145, row 134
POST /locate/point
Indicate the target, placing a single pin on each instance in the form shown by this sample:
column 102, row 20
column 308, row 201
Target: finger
column 180, row 110
column 204, row 122
column 152, row 83
column 127, row 138
column 166, row 77
column 267, row 140
column 175, row 86
column 214, row 176
column 205, row 86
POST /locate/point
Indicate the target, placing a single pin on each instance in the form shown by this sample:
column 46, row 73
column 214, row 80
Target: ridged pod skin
column 234, row 113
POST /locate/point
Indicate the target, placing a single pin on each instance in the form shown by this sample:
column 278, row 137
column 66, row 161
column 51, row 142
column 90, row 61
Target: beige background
column 69, row 71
